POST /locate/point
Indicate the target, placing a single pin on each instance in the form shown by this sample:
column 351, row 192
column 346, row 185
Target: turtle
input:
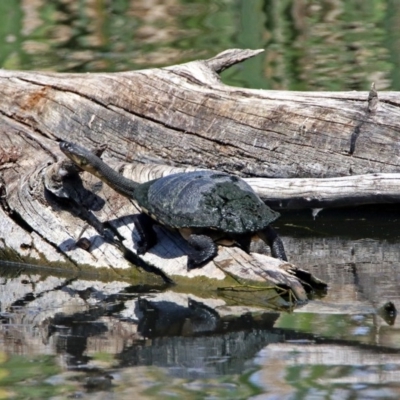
column 207, row 207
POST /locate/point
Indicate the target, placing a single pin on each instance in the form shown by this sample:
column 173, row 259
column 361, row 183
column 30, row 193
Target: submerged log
column 183, row 116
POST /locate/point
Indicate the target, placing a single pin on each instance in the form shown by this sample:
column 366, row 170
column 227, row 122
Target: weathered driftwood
column 299, row 193
column 182, row 115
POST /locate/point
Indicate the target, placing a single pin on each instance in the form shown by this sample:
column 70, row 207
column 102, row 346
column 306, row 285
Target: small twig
column 252, row 288
column 373, row 101
column 249, row 288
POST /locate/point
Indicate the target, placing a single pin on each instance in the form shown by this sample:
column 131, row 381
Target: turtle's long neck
column 112, row 178
column 88, row 161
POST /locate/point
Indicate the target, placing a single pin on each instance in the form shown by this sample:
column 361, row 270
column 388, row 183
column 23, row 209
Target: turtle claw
column 191, row 264
column 142, row 248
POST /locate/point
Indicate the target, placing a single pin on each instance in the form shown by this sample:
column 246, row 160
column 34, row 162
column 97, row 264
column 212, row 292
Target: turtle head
column 82, row 157
column 89, row 162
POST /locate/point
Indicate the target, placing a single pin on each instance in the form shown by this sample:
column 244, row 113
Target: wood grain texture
column 183, row 116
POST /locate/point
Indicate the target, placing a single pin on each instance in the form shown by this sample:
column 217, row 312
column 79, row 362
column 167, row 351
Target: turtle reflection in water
column 206, row 207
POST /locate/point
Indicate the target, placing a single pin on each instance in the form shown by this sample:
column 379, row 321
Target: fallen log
column 298, row 193
column 184, row 116
column 346, row 191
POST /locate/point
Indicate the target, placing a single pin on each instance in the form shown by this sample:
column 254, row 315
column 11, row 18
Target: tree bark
column 182, row 116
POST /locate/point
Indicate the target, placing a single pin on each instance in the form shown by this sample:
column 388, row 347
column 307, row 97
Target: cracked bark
column 183, row 116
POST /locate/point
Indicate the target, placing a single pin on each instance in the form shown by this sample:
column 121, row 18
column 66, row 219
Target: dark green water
column 339, row 346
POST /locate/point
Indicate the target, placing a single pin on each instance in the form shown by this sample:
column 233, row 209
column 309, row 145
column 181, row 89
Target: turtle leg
column 147, row 236
column 269, row 236
column 244, row 242
column 203, row 249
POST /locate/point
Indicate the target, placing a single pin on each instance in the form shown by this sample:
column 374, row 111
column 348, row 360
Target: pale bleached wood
column 298, row 193
column 182, row 115
column 329, row 192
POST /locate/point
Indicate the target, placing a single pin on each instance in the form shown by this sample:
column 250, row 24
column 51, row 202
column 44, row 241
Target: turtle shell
column 204, row 199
